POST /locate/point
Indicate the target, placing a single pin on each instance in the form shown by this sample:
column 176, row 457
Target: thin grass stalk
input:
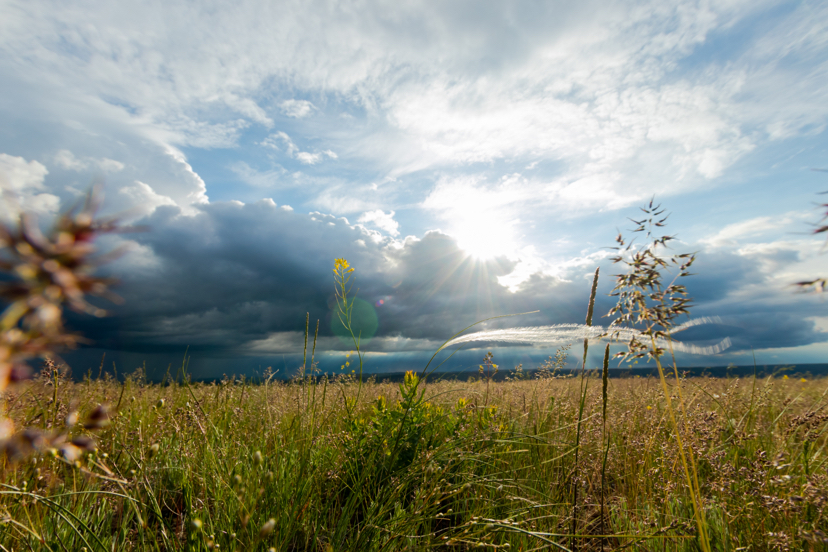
column 752, row 391
column 304, row 360
column 604, row 385
column 684, row 414
column 315, row 383
column 56, row 383
column 582, row 401
column 60, row 511
column 692, row 479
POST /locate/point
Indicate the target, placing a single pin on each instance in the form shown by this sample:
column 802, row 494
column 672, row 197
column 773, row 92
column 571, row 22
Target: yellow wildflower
column 341, row 266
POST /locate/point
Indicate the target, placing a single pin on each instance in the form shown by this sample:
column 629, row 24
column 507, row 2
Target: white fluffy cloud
column 382, row 220
column 18, row 175
column 21, row 188
column 616, row 93
column 144, row 198
column 296, row 108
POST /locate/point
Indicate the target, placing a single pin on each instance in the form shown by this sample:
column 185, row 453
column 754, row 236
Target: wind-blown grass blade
column 567, row 333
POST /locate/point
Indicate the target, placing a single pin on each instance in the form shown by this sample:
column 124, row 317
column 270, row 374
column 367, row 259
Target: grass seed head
column 267, row 528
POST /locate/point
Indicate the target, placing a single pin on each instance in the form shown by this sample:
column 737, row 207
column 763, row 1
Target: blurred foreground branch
column 820, row 283
column 39, row 275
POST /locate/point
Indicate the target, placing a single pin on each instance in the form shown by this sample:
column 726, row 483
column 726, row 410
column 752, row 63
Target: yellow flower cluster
column 341, row 267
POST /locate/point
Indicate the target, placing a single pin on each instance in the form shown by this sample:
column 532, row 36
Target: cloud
column 280, row 138
column 66, row 160
column 249, row 108
column 22, row 189
column 19, row 175
column 144, row 198
column 259, row 179
column 382, row 220
column 261, row 268
column 274, row 140
column 758, row 227
column 621, row 99
column 290, row 342
column 296, row 108
column 308, row 158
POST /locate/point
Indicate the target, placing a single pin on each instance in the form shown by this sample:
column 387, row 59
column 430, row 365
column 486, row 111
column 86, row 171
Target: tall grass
column 190, row 466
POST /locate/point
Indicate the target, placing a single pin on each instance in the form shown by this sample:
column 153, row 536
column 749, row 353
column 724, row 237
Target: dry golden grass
column 496, row 469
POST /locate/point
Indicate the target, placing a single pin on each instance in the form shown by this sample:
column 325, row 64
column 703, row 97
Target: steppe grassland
column 561, row 463
column 468, row 464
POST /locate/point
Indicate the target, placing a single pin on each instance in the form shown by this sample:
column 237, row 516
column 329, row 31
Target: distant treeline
column 772, row 370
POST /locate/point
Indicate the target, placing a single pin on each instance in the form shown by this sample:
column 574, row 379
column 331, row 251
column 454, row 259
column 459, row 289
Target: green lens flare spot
column 364, row 322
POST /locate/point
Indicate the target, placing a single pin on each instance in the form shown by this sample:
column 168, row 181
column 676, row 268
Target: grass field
column 417, row 466
column 315, row 464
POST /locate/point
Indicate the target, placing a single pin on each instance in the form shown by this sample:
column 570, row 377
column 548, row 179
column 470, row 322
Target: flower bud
column 267, row 528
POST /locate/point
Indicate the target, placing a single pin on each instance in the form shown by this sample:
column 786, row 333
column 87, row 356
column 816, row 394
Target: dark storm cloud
column 236, row 273
column 757, row 310
column 239, row 279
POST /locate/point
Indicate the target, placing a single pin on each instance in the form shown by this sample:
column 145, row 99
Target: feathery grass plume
column 644, row 300
column 488, row 370
column 47, row 272
column 820, row 283
column 552, row 366
column 565, row 334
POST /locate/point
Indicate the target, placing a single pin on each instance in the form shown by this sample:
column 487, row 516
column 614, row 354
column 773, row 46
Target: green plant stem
column 582, row 401
column 604, row 434
column 695, row 491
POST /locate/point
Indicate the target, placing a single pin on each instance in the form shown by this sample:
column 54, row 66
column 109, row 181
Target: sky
column 469, row 159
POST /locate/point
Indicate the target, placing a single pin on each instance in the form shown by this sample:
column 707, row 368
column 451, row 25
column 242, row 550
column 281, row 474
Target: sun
column 482, row 219
column 485, row 238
